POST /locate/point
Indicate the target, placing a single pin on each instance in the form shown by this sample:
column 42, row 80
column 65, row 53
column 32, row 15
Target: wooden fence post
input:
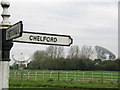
column 102, row 77
column 92, row 76
column 50, row 74
column 111, row 77
column 14, row 75
column 22, row 74
column 43, row 75
column 28, row 75
column 36, row 76
column 75, row 76
column 66, row 75
column 58, row 76
column 83, row 76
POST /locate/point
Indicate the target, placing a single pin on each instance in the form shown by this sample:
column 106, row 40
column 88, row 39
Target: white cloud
column 88, row 22
column 28, row 1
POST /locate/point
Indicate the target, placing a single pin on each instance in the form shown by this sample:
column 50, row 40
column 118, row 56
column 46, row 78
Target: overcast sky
column 88, row 22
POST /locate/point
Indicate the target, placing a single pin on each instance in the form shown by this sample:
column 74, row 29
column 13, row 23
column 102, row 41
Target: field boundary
column 66, row 76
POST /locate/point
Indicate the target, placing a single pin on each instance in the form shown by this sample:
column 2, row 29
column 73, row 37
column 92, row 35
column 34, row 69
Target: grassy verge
column 38, row 84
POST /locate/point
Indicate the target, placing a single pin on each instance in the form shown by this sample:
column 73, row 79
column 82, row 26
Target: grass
column 33, row 84
column 59, row 82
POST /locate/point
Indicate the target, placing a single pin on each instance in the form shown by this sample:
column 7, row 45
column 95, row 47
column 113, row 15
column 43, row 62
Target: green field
column 69, row 79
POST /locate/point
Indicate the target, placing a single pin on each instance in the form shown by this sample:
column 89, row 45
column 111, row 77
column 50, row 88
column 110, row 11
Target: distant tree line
column 54, row 58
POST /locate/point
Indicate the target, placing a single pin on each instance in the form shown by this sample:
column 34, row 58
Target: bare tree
column 73, row 52
column 49, row 51
column 86, row 51
column 55, row 52
column 60, row 52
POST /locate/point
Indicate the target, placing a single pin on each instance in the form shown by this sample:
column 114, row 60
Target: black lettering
column 44, row 38
column 55, row 39
column 51, row 39
column 34, row 38
column 38, row 38
column 48, row 39
column 31, row 37
column 8, row 35
column 12, row 32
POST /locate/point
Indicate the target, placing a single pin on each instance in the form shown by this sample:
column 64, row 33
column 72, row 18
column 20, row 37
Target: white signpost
column 14, row 31
column 44, row 38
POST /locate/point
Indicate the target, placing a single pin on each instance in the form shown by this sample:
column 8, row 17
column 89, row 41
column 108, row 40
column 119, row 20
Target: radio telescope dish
column 20, row 59
column 103, row 53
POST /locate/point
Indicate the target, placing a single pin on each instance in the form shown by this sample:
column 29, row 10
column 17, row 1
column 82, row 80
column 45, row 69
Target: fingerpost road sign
column 14, row 31
column 10, row 34
column 45, row 38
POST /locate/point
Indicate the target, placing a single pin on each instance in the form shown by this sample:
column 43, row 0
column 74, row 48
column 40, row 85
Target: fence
column 66, row 76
